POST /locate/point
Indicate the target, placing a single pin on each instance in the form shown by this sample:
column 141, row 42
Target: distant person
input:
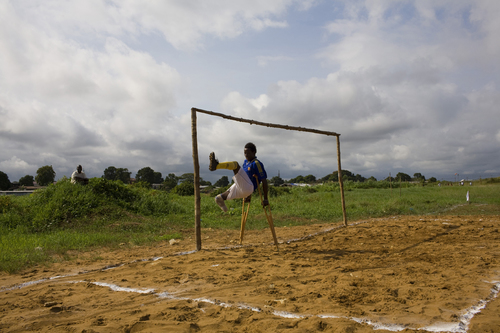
column 79, row 176
column 244, row 180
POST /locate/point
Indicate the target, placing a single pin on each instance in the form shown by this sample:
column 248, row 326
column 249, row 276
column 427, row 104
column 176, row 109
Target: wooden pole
column 254, row 122
column 244, row 216
column 390, row 182
column 269, row 216
column 197, row 198
column 341, row 182
column 400, row 186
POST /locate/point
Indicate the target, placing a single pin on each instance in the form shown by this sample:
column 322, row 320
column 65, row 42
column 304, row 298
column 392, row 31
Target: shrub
column 492, row 180
column 156, row 203
column 5, row 203
column 184, row 189
column 275, row 191
column 60, row 204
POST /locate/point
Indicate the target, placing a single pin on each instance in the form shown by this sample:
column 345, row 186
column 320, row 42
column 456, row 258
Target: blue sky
column 411, row 86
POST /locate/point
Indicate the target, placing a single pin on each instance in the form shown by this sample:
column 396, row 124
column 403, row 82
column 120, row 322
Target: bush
column 5, row 203
column 155, row 203
column 492, row 180
column 184, row 189
column 275, row 191
column 10, row 212
column 63, row 203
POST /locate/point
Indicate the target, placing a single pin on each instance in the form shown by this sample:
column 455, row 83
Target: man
column 79, row 176
column 245, row 182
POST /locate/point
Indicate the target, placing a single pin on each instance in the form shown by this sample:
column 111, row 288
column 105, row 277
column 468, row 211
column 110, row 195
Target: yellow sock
column 227, row 165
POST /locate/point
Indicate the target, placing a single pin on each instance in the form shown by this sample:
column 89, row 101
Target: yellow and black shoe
column 213, row 162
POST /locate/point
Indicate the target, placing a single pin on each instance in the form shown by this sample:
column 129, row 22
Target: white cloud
column 16, row 163
column 61, row 97
column 400, row 152
column 264, row 61
column 182, row 23
column 414, row 34
column 406, row 84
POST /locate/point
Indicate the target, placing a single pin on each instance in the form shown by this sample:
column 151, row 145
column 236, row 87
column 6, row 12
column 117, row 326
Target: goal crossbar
column 260, row 123
column 196, row 162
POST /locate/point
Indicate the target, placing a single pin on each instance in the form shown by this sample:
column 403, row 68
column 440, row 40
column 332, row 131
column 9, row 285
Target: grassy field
column 64, row 218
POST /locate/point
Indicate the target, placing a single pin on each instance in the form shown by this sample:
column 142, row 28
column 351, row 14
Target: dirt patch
column 434, row 273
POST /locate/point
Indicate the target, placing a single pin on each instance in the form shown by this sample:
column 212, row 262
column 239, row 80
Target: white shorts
column 242, row 187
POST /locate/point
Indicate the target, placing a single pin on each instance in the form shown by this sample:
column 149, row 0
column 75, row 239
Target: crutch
column 269, row 217
column 244, row 216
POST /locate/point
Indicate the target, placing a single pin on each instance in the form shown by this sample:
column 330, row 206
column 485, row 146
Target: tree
column 223, row 181
column 277, row 181
column 170, row 181
column 346, row 175
column 403, row 176
column 359, row 178
column 45, row 175
column 158, row 179
column 26, row 181
column 204, row 182
column 123, row 174
column 4, row 181
column 145, row 174
column 418, row 177
column 432, row 180
column 372, row 179
column 309, row 179
column 112, row 173
column 109, row 173
column 187, row 178
column 298, row 179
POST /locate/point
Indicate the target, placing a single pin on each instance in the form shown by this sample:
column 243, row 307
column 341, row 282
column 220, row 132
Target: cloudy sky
column 411, row 86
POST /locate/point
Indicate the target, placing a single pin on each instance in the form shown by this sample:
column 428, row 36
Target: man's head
column 250, row 151
column 79, row 169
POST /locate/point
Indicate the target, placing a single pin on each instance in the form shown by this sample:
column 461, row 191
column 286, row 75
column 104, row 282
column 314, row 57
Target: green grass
column 64, row 218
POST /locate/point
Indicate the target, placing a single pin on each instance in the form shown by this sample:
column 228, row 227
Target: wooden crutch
column 244, row 216
column 270, row 216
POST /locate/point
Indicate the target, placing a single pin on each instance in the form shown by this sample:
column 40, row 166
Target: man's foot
column 220, row 201
column 213, row 162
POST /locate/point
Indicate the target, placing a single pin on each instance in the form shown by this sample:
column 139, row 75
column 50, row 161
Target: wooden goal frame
column 196, row 162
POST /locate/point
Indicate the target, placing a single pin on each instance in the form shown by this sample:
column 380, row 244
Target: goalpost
column 196, row 162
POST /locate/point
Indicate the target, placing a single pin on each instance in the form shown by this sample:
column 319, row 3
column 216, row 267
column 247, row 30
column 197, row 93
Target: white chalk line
column 461, row 326
column 455, row 327
column 109, row 267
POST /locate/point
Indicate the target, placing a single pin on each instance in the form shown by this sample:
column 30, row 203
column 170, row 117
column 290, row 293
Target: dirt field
column 429, row 273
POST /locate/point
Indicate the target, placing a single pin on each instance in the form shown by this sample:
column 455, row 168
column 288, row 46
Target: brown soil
column 433, row 273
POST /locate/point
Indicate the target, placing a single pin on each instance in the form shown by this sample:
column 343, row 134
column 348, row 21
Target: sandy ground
column 428, row 273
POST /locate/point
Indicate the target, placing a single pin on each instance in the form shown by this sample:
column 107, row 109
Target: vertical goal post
column 196, row 162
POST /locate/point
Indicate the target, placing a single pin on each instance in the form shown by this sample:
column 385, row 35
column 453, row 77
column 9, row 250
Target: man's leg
column 242, row 187
column 215, row 165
